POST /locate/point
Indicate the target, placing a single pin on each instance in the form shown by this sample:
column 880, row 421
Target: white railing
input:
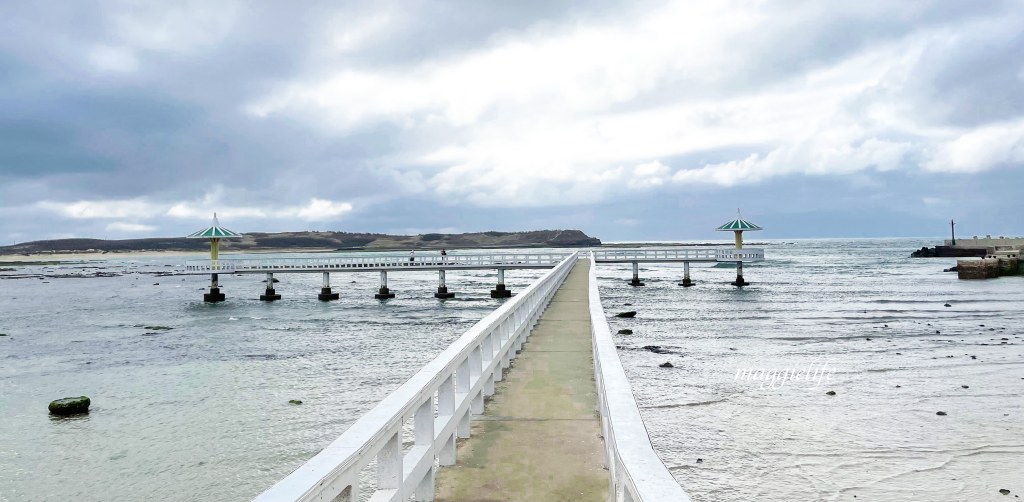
column 744, row 254
column 439, row 401
column 677, row 254
column 381, row 261
column 652, row 254
column 635, row 471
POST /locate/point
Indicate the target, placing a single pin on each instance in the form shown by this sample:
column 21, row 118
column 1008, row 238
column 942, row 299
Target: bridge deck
column 461, row 261
column 539, row 438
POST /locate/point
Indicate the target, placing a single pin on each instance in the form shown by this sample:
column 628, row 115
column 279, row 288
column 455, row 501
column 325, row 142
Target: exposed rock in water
column 947, row 305
column 951, row 269
column 627, row 304
column 830, row 393
column 70, row 406
column 1004, row 491
column 666, row 365
column 631, row 313
column 656, row 349
column 621, row 332
column 294, row 401
column 940, row 413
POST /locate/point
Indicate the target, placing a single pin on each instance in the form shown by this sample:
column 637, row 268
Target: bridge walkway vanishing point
column 540, row 435
column 562, row 425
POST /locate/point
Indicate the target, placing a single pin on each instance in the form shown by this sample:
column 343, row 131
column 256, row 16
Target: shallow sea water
column 201, row 412
column 895, row 356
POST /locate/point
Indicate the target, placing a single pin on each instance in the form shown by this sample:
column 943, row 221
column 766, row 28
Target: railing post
column 461, row 392
column 423, row 422
column 446, row 413
column 389, row 463
column 475, row 371
column 488, row 357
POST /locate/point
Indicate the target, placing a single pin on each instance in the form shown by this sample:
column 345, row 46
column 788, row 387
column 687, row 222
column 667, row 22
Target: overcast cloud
column 626, row 120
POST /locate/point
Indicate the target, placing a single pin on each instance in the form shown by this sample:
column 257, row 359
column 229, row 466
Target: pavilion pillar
column 214, row 295
column 686, row 275
column 271, row 294
column 636, row 275
column 325, row 291
column 500, row 291
column 739, row 275
column 442, row 288
column 384, row 293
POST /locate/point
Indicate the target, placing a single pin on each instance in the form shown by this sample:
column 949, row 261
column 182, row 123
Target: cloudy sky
column 628, row 120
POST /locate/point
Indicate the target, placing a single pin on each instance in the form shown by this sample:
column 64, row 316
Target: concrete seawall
column 988, row 268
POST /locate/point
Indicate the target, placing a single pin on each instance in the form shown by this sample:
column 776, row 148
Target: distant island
column 313, row 241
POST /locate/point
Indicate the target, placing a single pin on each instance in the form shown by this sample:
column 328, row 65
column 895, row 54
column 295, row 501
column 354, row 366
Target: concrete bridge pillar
column 636, row 275
column 500, row 291
column 384, row 292
column 270, row 295
column 686, row 275
column 214, row 295
column 739, row 275
column 442, row 289
column 325, row 291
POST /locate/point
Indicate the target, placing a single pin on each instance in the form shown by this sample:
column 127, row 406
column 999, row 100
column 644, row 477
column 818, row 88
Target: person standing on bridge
column 444, row 256
column 412, row 255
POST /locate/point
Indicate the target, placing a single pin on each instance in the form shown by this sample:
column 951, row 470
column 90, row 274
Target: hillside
column 326, row 241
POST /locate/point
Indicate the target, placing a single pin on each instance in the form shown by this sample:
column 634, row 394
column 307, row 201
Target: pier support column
column 686, row 275
column 636, row 275
column 325, row 292
column 214, row 295
column 442, row 289
column 500, row 291
column 270, row 295
column 739, row 275
column 384, row 292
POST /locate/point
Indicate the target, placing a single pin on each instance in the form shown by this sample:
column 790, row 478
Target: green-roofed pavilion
column 738, row 226
column 215, row 233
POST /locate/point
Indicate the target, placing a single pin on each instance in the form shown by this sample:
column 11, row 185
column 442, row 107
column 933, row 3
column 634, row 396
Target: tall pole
column 952, row 229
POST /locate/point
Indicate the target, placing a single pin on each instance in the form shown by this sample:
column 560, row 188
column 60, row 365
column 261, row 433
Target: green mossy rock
column 70, row 406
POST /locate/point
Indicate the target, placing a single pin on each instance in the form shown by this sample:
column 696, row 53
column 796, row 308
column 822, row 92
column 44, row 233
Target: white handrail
column 636, row 472
column 677, row 254
column 440, row 400
column 499, row 260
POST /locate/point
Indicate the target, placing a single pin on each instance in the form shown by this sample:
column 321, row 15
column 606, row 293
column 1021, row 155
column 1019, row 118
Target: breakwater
column 989, row 267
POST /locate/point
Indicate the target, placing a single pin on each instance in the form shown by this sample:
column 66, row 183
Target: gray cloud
column 109, row 103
